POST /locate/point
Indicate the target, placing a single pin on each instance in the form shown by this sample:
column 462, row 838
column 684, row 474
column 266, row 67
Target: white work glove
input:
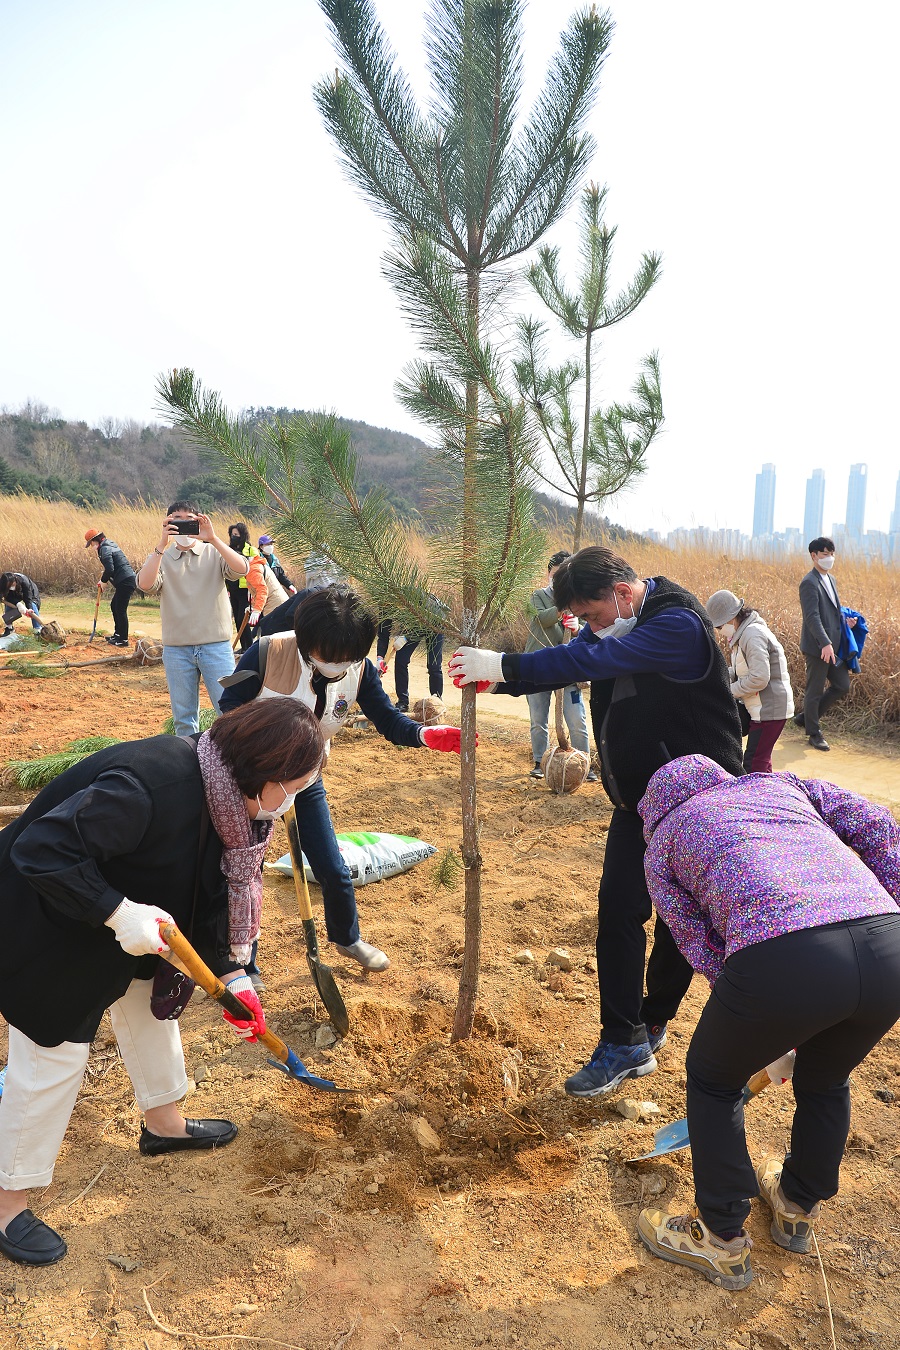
column 569, row 621
column 255, row 616
column 137, row 928
column 22, row 608
column 476, row 665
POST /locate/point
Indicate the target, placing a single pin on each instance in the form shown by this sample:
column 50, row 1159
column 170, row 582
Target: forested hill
column 47, row 456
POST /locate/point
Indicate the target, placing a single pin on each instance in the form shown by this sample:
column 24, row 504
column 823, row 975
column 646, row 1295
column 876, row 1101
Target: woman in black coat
column 183, row 819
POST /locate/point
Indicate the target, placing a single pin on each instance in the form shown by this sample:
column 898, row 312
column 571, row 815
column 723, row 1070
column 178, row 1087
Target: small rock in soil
column 524, row 958
column 884, row 1095
column 559, row 957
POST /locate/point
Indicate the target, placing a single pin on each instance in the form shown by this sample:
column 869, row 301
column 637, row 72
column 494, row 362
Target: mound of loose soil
column 460, row 1197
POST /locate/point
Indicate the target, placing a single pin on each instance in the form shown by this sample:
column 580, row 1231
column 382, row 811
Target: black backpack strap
column 239, row 676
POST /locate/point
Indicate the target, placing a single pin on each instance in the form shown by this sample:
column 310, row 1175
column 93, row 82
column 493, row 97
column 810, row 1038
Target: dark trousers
column 831, row 992
column 761, row 740
column 623, row 907
column 816, row 700
column 119, row 606
column 240, row 598
column 434, row 652
column 318, row 841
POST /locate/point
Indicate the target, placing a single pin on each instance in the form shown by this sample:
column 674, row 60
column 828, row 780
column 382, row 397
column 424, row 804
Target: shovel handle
column 757, row 1084
column 296, row 849
column 201, row 974
column 240, row 631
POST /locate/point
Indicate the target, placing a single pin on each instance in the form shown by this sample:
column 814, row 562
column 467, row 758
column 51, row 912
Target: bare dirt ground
column 341, row 1222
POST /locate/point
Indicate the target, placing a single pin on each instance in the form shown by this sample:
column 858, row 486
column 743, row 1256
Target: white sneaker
column 369, row 957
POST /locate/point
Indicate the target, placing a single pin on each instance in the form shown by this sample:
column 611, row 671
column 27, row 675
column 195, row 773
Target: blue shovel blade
column 295, row 1068
column 670, row 1139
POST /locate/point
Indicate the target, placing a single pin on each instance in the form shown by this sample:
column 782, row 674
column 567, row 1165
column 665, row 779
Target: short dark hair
column 335, row 624
column 558, row 558
column 241, row 529
column 589, row 574
column 269, row 740
column 821, row 544
column 189, row 507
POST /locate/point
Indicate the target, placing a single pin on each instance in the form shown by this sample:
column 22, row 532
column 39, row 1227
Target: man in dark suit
column 820, row 641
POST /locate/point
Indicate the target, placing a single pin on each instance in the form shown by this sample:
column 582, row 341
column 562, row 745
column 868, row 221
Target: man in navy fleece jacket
column 659, row 689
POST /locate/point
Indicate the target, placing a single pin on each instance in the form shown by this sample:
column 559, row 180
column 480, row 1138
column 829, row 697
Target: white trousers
column 42, row 1085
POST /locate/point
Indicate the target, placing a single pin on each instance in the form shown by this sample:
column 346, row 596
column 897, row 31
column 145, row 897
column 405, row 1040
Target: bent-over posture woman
column 783, row 893
column 183, row 819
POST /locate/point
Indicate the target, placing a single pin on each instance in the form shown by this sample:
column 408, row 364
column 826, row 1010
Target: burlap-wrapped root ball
column 429, row 711
column 565, row 770
column 148, row 652
column 53, row 632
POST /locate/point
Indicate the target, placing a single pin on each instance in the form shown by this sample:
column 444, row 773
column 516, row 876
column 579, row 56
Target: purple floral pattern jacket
column 735, row 861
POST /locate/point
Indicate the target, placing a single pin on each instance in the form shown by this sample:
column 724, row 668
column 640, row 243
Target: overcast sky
column 172, row 199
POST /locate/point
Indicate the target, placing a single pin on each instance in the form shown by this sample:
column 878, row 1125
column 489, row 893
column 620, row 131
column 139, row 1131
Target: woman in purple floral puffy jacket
column 784, row 894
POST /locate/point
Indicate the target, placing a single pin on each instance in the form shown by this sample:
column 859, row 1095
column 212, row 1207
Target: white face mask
column 826, row 564
column 263, row 814
column 621, row 626
column 332, row 670
column 268, row 550
column 185, row 540
column 728, row 630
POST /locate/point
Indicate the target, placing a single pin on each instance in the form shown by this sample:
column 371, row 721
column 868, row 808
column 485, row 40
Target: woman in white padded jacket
column 759, row 676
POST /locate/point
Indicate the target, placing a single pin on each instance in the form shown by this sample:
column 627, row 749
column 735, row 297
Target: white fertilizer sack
column 370, row 857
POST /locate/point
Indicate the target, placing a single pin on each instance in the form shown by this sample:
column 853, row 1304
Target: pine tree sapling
column 598, row 458
column 466, row 185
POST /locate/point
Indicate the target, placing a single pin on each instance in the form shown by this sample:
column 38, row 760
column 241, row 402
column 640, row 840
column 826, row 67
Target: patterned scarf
column 245, row 842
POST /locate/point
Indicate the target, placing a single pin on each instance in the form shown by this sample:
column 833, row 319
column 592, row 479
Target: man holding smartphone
column 188, row 569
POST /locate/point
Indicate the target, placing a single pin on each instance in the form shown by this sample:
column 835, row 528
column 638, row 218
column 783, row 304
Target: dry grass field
column 46, row 540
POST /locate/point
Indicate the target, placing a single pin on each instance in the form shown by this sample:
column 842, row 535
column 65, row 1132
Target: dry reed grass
column 46, row 541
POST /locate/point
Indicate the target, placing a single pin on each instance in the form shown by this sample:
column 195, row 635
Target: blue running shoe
column 657, row 1037
column 609, row 1066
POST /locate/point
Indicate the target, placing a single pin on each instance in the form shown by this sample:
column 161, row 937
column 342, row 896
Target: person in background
column 659, row 689
column 264, row 594
column 267, row 548
column 321, row 571
column 83, row 869
column 238, row 592
column 820, row 641
column 783, row 893
column 21, row 600
column 759, row 676
column 118, row 570
column 548, row 629
column 404, row 646
column 323, row 663
column 188, row 572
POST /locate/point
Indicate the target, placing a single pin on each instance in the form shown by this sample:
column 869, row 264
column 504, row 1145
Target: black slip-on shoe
column 200, row 1134
column 31, row 1242
column 818, row 742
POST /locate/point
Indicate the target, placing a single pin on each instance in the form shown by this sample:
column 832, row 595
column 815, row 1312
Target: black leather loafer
column 31, row 1242
column 200, row 1134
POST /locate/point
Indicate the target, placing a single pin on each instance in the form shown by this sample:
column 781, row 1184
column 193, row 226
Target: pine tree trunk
column 464, row 1016
column 585, row 442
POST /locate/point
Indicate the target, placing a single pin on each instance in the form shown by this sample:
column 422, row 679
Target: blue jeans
column 317, row 839
column 184, row 666
column 573, row 711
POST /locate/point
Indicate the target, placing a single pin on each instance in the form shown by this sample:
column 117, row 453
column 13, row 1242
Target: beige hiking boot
column 791, row 1227
column 686, row 1240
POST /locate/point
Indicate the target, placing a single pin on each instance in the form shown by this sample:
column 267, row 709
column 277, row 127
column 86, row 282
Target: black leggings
column 829, row 992
column 119, row 606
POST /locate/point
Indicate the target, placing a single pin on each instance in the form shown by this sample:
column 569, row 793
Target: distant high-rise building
column 764, row 502
column 856, row 501
column 814, row 510
column 895, row 516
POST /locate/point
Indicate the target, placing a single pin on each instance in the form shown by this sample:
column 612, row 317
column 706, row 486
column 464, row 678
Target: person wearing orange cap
column 118, row 570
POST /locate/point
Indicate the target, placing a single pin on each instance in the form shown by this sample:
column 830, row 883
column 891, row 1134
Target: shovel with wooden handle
column 199, row 971
column 672, row 1138
column 240, row 631
column 322, row 975
column 96, row 611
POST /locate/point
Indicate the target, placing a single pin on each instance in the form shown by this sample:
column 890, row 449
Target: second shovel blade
column 670, row 1139
column 329, row 994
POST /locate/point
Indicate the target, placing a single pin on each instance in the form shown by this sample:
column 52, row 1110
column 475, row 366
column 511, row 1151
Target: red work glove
column 442, row 738
column 481, row 686
column 242, row 988
column 569, row 621
column 381, row 665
